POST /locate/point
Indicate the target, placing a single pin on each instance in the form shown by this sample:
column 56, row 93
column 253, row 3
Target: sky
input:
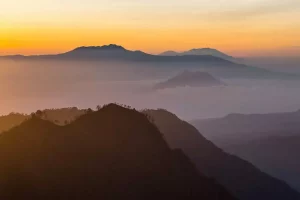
column 237, row 27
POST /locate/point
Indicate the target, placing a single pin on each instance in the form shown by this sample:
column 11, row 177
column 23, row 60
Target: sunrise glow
column 238, row 27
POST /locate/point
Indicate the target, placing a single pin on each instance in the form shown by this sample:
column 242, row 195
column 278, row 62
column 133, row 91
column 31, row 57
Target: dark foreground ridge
column 114, row 153
column 240, row 177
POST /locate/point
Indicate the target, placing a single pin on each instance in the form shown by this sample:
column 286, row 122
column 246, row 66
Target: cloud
column 260, row 9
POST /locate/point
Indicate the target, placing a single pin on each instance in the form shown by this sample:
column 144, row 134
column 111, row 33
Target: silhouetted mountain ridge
column 59, row 116
column 237, row 175
column 200, row 51
column 9, row 121
column 113, row 47
column 114, row 153
column 244, row 127
column 115, row 52
column 270, row 141
column 276, row 155
column 215, row 65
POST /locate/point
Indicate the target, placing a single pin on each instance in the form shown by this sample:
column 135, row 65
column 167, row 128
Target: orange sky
column 240, row 28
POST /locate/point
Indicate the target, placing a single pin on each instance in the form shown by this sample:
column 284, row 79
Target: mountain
column 201, row 51
column 170, row 53
column 239, row 176
column 62, row 116
column 276, row 155
column 106, row 52
column 112, row 54
column 236, row 128
column 114, row 153
column 189, row 78
column 115, row 52
column 11, row 120
column 270, row 141
column 59, row 116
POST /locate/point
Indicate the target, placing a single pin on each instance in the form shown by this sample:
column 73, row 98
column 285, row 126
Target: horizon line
column 170, row 50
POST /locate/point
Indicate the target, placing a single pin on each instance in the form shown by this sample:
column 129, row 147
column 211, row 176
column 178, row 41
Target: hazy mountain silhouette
column 115, row 52
column 201, row 51
column 114, row 153
column 11, row 120
column 59, row 116
column 189, row 78
column 270, row 141
column 112, row 53
column 62, row 116
column 170, row 53
column 106, row 52
column 276, row 155
column 239, row 176
column 236, row 128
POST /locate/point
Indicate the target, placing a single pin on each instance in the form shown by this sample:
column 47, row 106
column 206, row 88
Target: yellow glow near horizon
column 245, row 27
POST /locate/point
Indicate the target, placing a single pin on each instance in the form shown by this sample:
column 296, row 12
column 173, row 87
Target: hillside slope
column 239, row 176
column 276, row 155
column 114, row 153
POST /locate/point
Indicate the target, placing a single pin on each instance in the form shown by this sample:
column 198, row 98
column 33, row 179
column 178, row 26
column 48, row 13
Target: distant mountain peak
column 169, row 53
column 199, row 51
column 189, row 78
column 205, row 48
column 104, row 47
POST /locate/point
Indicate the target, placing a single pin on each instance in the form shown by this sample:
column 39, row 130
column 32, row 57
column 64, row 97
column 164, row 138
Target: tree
column 39, row 113
column 98, row 107
column 89, row 110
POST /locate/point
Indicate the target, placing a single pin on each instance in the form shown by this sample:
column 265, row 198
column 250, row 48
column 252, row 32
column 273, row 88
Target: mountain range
column 270, row 141
column 244, row 127
column 122, row 144
column 209, row 60
column 115, row 52
column 114, row 153
column 276, row 155
column 201, row 51
column 214, row 162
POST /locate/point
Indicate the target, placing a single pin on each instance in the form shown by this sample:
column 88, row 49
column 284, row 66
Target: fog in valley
column 148, row 100
column 27, row 85
column 213, row 94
